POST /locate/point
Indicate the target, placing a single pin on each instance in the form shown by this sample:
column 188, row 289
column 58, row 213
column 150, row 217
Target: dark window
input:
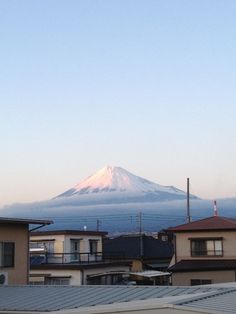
column 196, row 282
column 93, row 245
column 75, row 249
column 205, row 247
column 57, row 281
column 7, row 254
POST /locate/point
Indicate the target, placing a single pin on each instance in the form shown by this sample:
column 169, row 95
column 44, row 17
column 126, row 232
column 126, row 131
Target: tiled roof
column 210, row 223
column 130, row 247
column 202, row 265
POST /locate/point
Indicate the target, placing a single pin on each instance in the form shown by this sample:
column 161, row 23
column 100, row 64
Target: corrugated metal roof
column 221, row 302
column 52, row 298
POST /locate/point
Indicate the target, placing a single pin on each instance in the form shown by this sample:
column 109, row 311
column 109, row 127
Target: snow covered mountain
column 116, row 182
column 114, row 196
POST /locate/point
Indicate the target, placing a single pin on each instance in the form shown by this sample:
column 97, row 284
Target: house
column 144, row 253
column 14, row 249
column 205, row 252
column 72, row 257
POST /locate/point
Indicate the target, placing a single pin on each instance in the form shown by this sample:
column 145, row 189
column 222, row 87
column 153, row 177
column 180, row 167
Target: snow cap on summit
column 117, row 179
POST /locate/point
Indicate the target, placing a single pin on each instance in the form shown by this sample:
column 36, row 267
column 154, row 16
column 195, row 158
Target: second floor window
column 93, row 246
column 47, row 245
column 206, row 247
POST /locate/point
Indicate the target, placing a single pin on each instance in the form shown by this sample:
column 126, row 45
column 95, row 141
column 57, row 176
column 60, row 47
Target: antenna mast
column 215, row 209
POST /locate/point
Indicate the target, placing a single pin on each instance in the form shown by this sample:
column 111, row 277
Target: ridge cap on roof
column 193, row 223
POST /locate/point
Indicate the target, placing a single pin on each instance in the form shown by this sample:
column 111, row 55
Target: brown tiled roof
column 202, row 265
column 210, row 223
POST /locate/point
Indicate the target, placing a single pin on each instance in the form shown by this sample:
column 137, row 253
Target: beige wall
column 62, row 243
column 184, row 278
column 183, row 244
column 77, row 277
column 58, row 241
column 19, row 235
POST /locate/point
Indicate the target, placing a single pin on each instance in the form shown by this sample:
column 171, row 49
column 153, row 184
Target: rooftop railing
column 65, row 258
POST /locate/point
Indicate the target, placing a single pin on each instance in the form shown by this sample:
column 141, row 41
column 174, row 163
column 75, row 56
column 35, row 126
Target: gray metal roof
column 221, row 302
column 25, row 221
column 52, row 298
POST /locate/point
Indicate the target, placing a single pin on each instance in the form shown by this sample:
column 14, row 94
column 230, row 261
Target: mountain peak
column 116, row 179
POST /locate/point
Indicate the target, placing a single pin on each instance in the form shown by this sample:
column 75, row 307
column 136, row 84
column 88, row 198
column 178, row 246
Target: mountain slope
column 115, row 182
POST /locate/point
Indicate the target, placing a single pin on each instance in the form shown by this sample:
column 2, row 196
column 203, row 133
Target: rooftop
column 54, row 298
column 41, row 299
column 70, row 232
column 203, row 265
column 207, row 224
column 129, row 247
column 5, row 220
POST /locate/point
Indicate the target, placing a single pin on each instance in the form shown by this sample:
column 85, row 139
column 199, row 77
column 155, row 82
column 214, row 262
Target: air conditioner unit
column 3, row 279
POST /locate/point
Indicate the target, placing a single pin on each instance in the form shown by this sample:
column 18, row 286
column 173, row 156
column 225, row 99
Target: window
column 164, row 237
column 64, row 281
column 196, row 282
column 75, row 249
column 206, row 247
column 47, row 245
column 7, row 254
column 93, row 246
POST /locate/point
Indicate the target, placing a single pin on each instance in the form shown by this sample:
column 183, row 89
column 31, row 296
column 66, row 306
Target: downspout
column 28, row 259
column 82, row 277
column 175, row 249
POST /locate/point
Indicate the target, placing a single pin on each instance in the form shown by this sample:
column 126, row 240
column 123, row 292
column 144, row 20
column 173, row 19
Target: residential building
column 144, row 253
column 205, row 252
column 14, row 249
column 72, row 257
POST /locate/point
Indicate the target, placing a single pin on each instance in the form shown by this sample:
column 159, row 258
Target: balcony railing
column 207, row 252
column 65, row 258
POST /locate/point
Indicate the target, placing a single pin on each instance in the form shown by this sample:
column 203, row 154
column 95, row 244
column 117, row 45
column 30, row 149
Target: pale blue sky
column 146, row 85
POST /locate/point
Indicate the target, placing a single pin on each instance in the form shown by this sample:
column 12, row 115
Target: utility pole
column 140, row 216
column 188, row 203
column 98, row 224
column 140, row 222
column 215, row 209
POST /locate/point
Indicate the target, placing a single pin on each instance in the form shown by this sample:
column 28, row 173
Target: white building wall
column 75, row 275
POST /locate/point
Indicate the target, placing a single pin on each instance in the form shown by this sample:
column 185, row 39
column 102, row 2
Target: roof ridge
column 229, row 219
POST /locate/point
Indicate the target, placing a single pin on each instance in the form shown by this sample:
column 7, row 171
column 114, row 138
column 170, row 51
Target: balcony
column 42, row 258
